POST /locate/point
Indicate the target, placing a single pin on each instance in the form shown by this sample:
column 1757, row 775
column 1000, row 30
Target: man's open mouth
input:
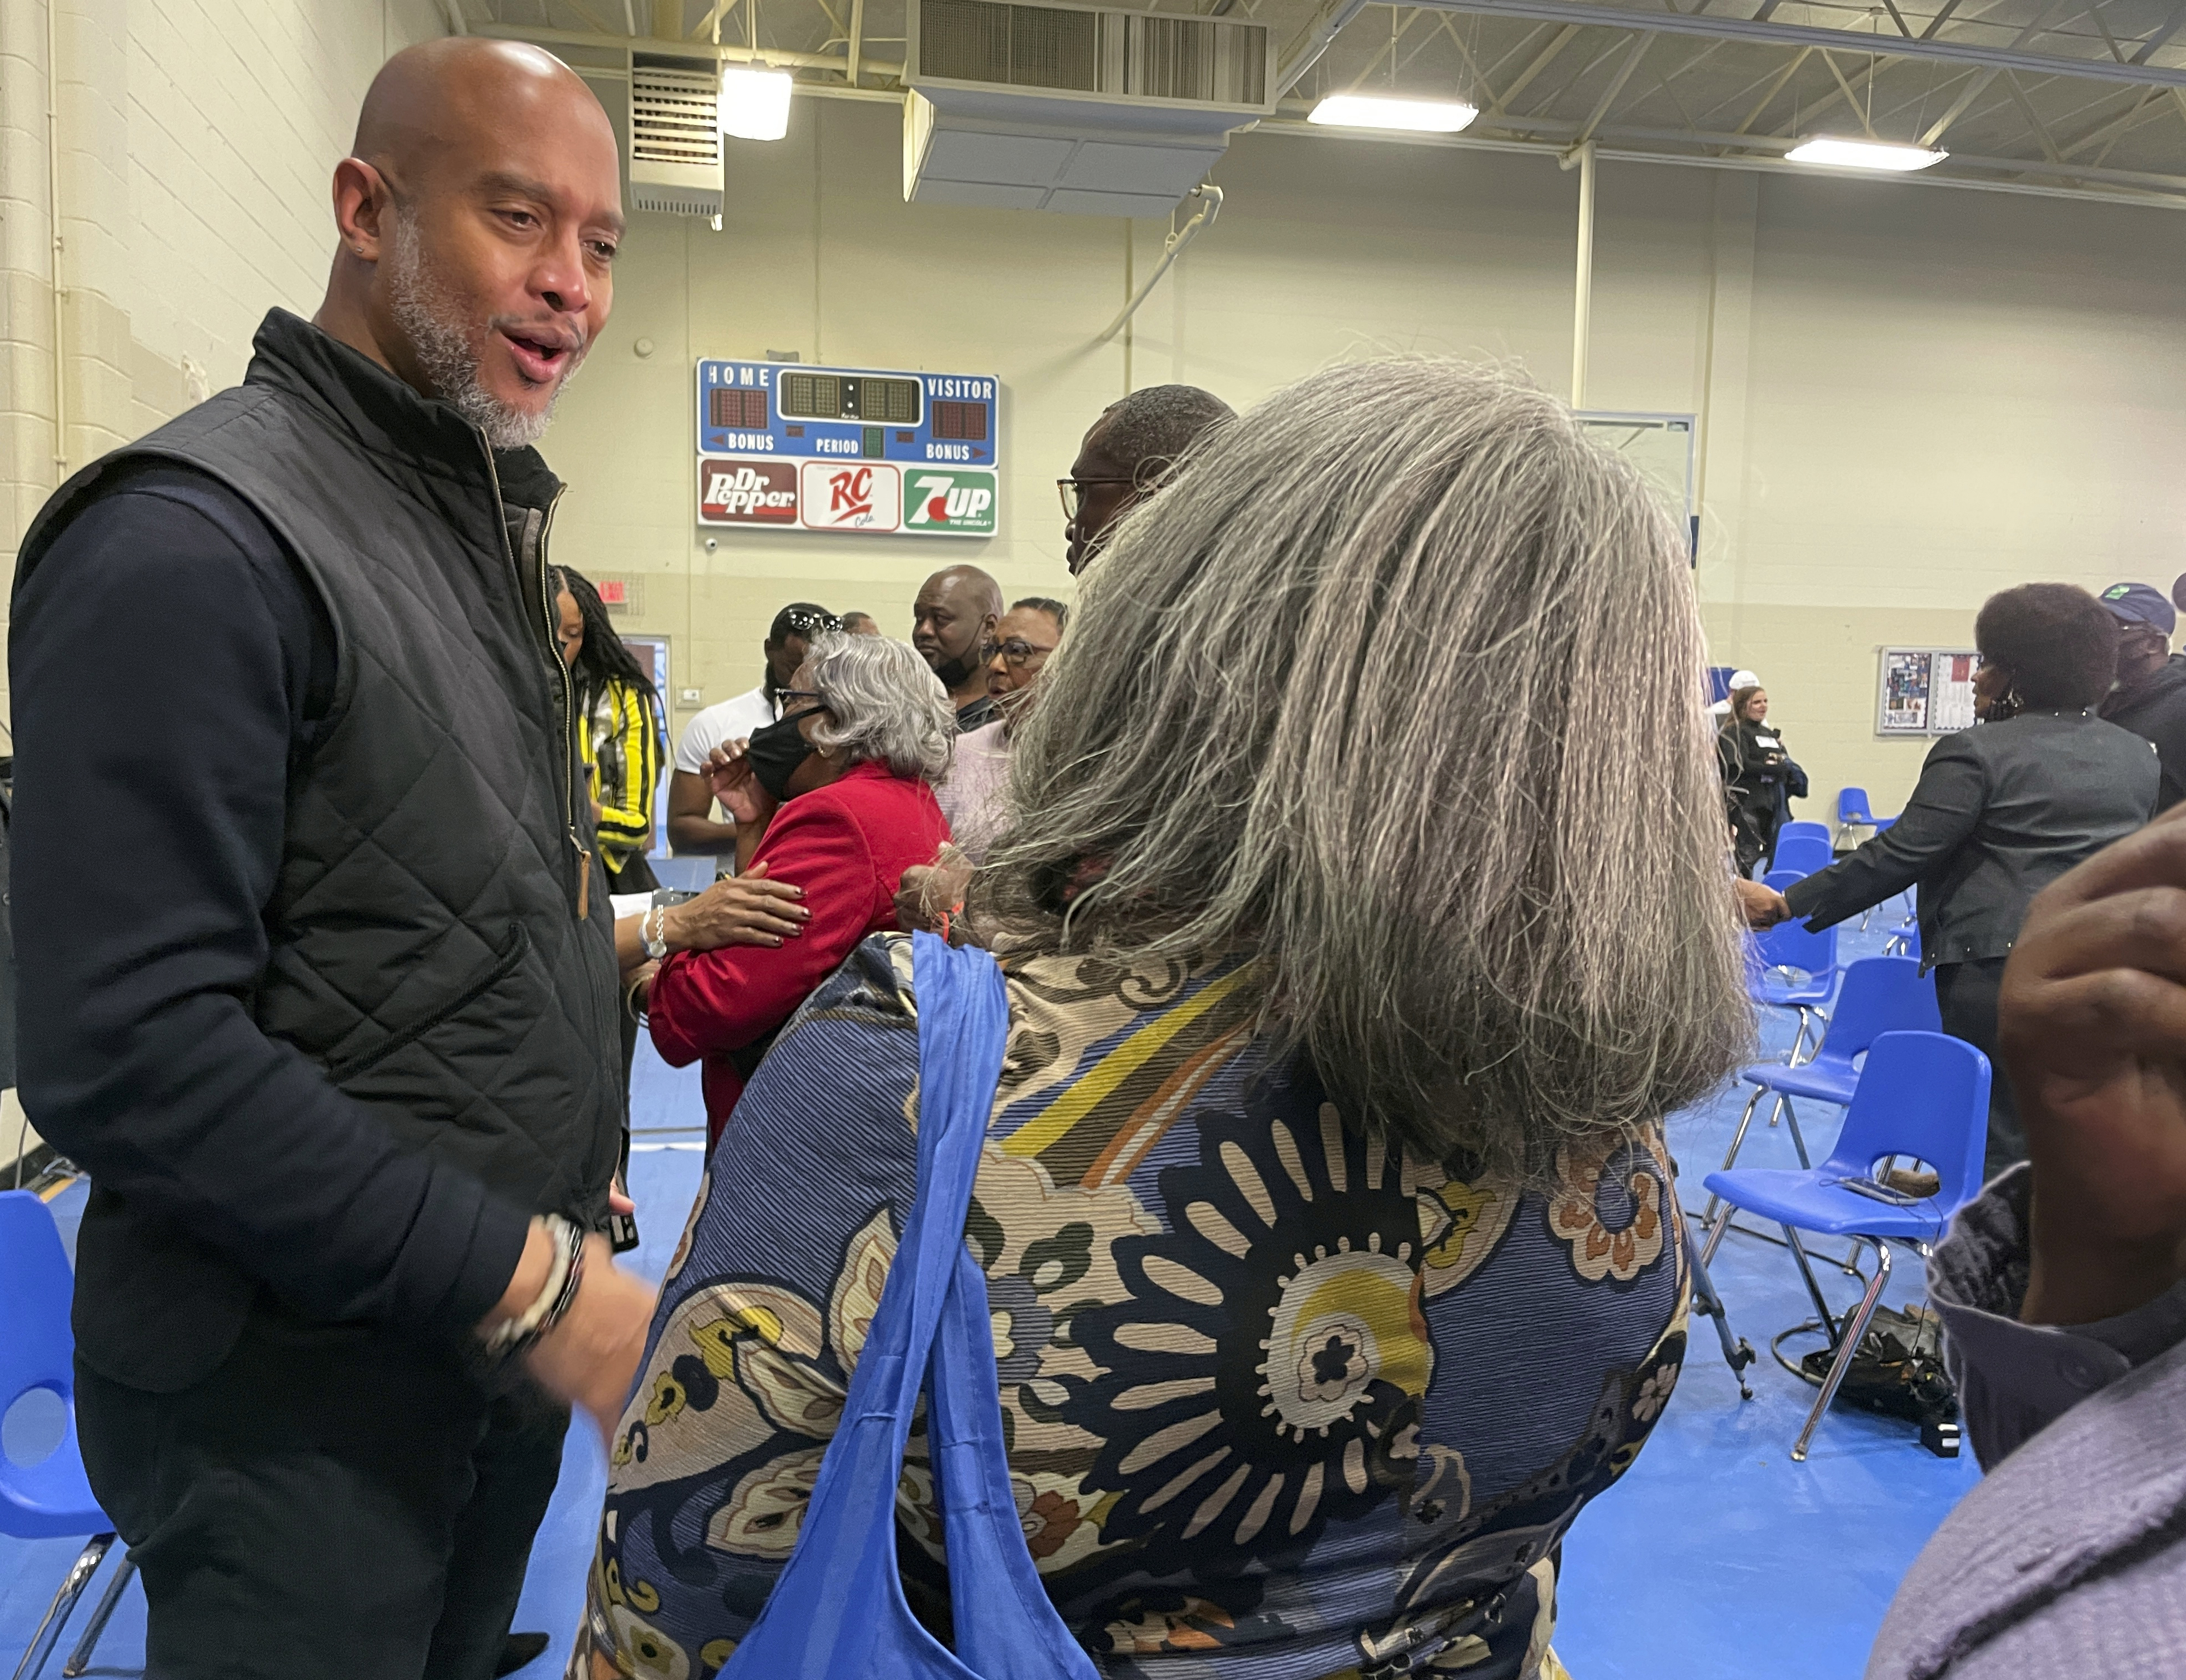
column 542, row 355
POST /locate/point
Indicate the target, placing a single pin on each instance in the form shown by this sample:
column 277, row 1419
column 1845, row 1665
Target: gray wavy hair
column 886, row 702
column 1393, row 687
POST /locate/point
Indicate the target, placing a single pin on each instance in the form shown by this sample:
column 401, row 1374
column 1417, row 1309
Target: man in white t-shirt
column 692, row 829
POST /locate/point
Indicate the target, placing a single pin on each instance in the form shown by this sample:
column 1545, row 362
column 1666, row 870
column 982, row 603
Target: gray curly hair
column 886, row 702
column 1393, row 689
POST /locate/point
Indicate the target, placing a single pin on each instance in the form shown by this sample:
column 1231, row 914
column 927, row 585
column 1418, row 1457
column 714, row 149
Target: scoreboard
column 863, row 450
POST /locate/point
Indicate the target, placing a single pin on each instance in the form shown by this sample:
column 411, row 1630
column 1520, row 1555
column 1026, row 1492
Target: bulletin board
column 1925, row 690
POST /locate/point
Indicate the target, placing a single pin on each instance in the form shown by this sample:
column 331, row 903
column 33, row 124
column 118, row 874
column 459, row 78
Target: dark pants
column 332, row 1501
column 1966, row 993
column 1753, row 830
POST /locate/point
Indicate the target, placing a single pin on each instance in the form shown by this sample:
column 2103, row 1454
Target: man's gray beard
column 432, row 323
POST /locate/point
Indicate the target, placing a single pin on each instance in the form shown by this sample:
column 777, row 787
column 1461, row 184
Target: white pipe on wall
column 1210, row 207
column 1582, row 156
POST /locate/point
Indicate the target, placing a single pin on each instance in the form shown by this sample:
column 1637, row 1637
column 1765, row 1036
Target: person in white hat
column 1738, row 679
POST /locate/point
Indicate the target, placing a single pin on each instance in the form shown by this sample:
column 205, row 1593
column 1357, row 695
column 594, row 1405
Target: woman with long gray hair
column 1355, row 951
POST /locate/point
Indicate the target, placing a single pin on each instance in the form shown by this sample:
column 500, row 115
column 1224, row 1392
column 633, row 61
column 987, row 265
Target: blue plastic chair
column 1809, row 854
column 1813, row 830
column 1776, row 956
column 1783, row 880
column 1879, row 994
column 1853, row 811
column 50, row 1498
column 1921, row 1096
column 1906, row 941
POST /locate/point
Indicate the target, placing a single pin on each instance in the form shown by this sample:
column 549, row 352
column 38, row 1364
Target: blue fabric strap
column 838, row 1611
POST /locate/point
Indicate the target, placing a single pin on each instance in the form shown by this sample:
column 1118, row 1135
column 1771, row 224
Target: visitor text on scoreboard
column 864, row 450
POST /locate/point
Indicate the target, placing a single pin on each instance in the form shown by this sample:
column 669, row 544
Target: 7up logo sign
column 948, row 502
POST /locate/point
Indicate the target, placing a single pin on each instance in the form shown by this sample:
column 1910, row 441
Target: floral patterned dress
column 1282, row 1400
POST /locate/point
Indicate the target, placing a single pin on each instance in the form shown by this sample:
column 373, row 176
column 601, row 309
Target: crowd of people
column 1331, row 1247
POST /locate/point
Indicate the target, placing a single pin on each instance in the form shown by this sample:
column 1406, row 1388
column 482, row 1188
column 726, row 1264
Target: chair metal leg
column 1791, row 1116
column 1847, row 1344
column 56, row 1614
column 1814, row 1289
column 1715, row 1233
column 1737, row 1142
column 79, row 1657
column 1851, row 1263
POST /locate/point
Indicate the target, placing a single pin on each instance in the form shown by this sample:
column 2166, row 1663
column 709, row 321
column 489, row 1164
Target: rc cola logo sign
column 851, row 497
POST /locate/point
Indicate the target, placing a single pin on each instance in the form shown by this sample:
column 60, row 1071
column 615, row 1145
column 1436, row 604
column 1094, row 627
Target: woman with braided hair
column 621, row 732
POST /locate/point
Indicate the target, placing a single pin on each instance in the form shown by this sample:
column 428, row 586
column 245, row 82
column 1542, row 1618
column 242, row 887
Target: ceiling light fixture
column 1374, row 110
column 754, row 101
column 1864, row 154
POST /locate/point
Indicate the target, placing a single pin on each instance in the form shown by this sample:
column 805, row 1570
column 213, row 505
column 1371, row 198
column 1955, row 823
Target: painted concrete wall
column 1910, row 396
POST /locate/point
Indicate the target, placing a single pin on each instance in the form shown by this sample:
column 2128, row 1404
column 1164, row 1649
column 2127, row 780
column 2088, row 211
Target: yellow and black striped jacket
column 621, row 744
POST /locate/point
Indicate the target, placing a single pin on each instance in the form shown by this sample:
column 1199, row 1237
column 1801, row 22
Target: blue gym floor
column 1717, row 1554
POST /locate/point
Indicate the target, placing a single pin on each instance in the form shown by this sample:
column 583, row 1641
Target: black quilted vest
column 427, row 945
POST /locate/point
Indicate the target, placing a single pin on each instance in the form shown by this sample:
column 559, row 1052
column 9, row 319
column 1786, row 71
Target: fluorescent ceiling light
column 1864, row 154
column 1372, row 110
column 754, row 101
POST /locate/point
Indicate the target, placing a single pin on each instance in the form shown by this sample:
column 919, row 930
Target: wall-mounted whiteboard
column 1925, row 690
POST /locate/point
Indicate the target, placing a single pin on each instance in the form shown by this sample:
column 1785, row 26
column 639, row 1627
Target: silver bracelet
column 513, row 1335
column 655, row 942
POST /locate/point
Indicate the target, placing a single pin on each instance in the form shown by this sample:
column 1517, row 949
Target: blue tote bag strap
column 838, row 1611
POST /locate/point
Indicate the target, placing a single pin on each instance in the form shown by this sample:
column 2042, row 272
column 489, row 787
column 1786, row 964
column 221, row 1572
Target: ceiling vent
column 1071, row 109
column 675, row 136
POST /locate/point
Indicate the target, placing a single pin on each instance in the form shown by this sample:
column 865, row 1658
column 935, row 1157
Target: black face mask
column 954, row 671
column 776, row 752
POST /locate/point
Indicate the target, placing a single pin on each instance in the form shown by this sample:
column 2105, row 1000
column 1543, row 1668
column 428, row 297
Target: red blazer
column 847, row 845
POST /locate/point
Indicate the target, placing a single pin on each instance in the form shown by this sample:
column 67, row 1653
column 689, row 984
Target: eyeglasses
column 813, row 695
column 1072, row 492
column 1017, row 654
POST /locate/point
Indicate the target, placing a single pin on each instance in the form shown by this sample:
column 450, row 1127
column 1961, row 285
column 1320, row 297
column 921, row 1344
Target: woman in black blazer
column 2001, row 810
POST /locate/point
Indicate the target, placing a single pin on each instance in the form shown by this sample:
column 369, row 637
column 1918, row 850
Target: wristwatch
column 656, row 942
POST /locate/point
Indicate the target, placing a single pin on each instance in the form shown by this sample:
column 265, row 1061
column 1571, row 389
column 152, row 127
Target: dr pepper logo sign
column 747, row 492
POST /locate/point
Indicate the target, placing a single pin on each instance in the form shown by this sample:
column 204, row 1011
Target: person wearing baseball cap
column 2150, row 696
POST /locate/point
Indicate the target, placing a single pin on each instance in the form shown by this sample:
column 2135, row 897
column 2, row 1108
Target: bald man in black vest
column 333, row 1029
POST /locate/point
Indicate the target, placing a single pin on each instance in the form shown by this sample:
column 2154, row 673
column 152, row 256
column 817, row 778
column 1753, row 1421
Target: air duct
column 675, row 136
column 1071, row 108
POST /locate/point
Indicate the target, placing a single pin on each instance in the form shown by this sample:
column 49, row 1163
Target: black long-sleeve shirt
column 169, row 663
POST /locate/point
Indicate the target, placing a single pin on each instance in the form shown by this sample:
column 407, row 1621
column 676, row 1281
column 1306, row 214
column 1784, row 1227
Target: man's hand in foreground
column 2092, row 1024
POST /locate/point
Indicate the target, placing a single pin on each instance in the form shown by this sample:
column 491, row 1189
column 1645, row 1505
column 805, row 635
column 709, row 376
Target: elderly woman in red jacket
column 834, row 799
